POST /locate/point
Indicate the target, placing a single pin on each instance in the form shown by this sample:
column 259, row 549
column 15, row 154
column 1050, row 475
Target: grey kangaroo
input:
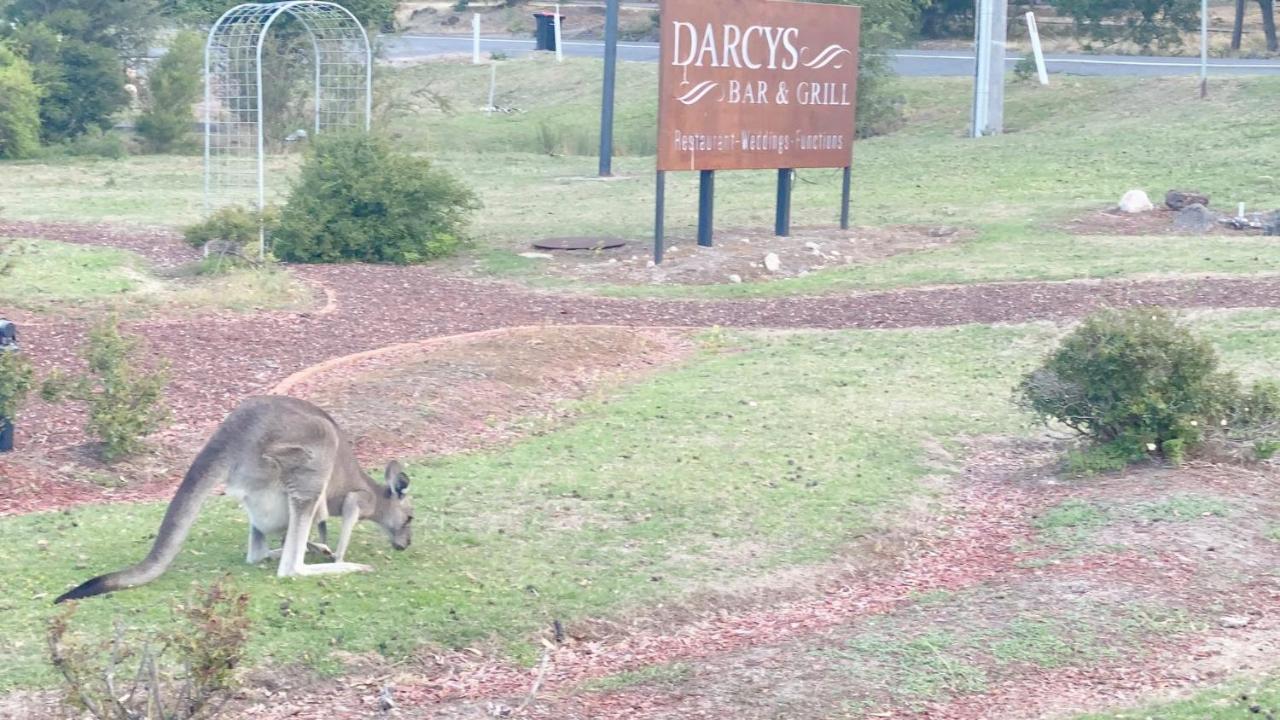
column 291, row 467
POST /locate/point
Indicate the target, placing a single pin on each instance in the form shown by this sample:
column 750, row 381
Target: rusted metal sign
column 756, row 84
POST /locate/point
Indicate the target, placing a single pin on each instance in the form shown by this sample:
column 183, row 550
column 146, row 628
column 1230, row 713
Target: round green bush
column 1134, row 381
column 233, row 224
column 358, row 198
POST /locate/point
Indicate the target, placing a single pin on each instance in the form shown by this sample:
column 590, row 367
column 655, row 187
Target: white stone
column 772, row 262
column 1234, row 621
column 1136, row 201
column 536, row 255
column 815, row 247
column 735, row 278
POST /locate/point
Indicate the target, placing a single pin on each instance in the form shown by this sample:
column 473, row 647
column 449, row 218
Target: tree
column 1145, row 22
column 83, row 83
column 19, row 107
column 1268, row 24
column 375, row 15
column 885, row 24
column 75, row 49
column 126, row 26
column 946, row 18
column 173, row 86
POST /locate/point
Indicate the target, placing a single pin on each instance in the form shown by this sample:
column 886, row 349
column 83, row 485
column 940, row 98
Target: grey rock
column 1195, row 218
column 1178, row 199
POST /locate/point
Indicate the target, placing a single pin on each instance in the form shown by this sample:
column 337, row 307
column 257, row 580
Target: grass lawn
column 1238, row 700
column 59, row 277
column 1072, row 147
column 775, row 454
column 769, row 450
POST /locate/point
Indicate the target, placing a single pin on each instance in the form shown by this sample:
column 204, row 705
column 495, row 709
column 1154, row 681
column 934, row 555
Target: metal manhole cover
column 579, row 243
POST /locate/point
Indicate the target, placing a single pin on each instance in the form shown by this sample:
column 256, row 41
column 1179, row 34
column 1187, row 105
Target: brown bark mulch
column 215, row 361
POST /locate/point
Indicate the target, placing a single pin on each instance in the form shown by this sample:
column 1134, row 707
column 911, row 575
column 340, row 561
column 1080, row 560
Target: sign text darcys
column 756, row 84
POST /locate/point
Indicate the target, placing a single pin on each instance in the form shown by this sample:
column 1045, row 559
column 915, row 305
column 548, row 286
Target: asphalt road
column 917, row 63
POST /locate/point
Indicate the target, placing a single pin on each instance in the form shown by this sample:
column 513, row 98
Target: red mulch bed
column 217, row 360
column 161, row 246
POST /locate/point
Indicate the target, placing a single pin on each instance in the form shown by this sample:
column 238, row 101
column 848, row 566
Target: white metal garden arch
column 234, row 143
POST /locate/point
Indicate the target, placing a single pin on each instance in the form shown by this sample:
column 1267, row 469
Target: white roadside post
column 1035, row 48
column 559, row 48
column 475, row 38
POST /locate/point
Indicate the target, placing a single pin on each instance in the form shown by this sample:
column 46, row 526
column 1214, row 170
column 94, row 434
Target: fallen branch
column 537, row 682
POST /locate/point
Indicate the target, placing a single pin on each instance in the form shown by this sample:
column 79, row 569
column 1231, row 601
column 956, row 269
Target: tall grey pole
column 990, row 34
column 610, row 73
column 1204, row 48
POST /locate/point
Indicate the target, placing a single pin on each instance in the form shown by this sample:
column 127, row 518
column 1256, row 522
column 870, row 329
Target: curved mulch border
column 216, row 360
column 161, row 246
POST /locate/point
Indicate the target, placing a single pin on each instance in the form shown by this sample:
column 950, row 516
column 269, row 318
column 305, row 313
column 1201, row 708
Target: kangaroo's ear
column 397, row 480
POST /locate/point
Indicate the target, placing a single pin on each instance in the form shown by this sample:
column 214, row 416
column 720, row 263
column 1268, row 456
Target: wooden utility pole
column 1237, row 30
column 1269, row 23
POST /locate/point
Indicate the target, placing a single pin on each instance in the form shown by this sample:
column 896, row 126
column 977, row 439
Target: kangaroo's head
column 395, row 512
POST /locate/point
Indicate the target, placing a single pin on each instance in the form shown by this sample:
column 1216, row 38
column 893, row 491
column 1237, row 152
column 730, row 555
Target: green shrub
column 173, row 86
column 93, row 142
column 15, row 382
column 357, row 198
column 123, row 393
column 233, row 224
column 1026, row 69
column 1135, row 382
column 1092, row 460
column 10, row 251
column 19, row 107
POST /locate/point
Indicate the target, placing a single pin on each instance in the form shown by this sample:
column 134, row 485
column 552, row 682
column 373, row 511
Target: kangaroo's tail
column 207, row 471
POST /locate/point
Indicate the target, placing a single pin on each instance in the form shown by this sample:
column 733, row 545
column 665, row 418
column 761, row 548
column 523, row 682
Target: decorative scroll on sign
column 756, row 84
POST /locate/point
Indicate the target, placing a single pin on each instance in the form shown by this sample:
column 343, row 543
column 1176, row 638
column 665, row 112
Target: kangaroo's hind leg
column 302, row 514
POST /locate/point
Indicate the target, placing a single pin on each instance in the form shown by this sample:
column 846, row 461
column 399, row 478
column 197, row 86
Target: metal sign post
column 706, row 207
column 782, row 208
column 610, row 76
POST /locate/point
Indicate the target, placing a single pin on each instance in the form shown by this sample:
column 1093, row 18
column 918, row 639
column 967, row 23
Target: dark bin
column 544, row 34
